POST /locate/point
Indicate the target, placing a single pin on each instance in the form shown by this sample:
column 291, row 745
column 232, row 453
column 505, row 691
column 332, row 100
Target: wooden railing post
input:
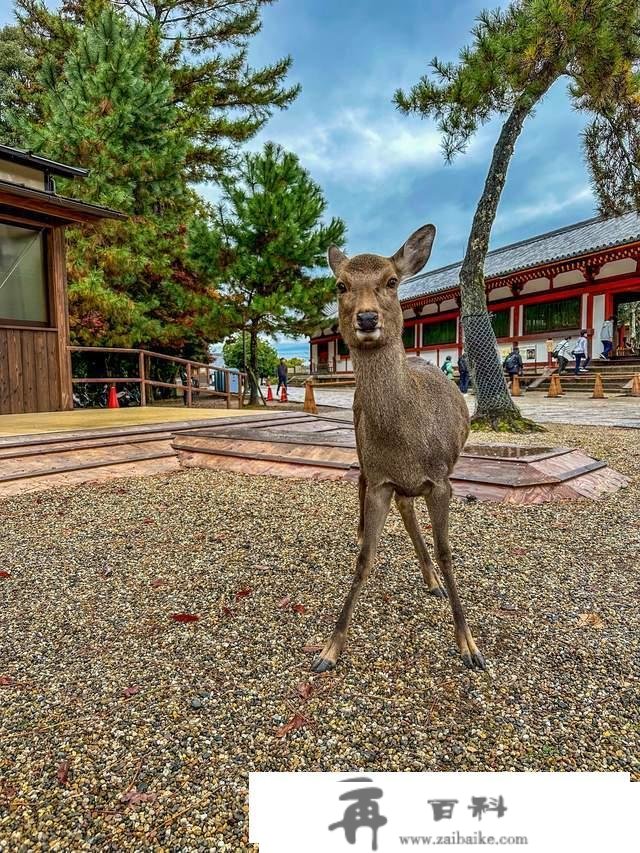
column 227, row 387
column 189, row 384
column 143, row 387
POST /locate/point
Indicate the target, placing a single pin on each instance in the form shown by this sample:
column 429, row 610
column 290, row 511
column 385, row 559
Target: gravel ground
column 123, row 729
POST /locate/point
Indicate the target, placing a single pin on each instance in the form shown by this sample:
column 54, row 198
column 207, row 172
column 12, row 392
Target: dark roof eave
column 59, row 206
column 35, row 161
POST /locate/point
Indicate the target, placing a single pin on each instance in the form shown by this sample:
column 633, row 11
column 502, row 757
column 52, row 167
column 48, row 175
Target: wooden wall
column 35, row 364
column 29, row 371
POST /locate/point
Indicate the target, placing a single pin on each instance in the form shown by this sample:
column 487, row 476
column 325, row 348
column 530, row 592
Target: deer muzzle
column 367, row 325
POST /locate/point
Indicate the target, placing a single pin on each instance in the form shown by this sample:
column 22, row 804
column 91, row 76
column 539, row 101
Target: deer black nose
column 367, row 320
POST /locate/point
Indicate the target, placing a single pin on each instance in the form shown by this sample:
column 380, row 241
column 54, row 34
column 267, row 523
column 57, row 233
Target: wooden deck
column 91, row 419
column 63, row 448
column 292, row 444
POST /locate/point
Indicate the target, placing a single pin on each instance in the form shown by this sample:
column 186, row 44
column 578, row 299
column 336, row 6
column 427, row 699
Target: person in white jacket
column 581, row 353
column 606, row 336
column 562, row 353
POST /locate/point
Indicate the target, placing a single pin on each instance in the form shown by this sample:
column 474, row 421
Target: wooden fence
column 193, row 370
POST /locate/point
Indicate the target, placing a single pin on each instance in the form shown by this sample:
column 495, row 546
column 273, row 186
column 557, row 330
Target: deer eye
column 342, row 287
column 393, row 282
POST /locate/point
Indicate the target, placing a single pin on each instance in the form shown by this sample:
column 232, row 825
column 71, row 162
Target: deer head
column 368, row 306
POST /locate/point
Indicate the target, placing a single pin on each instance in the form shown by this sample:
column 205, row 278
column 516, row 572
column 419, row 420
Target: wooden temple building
column 540, row 289
column 35, row 362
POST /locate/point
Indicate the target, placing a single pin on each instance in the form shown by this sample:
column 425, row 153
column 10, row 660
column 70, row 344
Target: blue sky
column 383, row 172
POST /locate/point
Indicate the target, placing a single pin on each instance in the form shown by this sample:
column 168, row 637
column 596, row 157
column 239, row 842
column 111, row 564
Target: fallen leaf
column 158, row 582
column 304, row 690
column 299, row 608
column 147, row 521
column 228, row 612
column 130, row 691
column 590, row 620
column 6, row 681
column 311, row 647
column 245, row 592
column 296, row 722
column 185, row 617
column 284, row 602
column 519, row 552
column 62, row 773
column 4, row 574
column 134, row 798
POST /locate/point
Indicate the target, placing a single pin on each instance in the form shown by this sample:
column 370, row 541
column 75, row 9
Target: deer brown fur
column 411, row 423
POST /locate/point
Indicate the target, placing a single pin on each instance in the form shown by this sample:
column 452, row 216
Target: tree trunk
column 253, row 366
column 494, row 404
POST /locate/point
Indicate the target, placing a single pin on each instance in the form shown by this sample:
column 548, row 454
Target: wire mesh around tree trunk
column 486, row 369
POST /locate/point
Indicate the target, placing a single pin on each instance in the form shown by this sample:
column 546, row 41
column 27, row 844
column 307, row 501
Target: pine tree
column 611, row 145
column 109, row 108
column 263, row 244
column 221, row 101
column 516, row 56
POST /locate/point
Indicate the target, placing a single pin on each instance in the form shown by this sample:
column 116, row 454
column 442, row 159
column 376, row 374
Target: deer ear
column 336, row 258
column 415, row 253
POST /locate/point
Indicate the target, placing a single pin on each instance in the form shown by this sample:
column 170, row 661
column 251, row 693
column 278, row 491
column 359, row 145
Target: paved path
column 570, row 409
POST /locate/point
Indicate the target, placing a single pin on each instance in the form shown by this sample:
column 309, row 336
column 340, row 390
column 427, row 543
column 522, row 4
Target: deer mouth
column 369, row 335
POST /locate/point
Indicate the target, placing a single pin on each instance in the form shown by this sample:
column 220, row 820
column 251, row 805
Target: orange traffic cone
column 553, row 386
column 112, row 401
column 598, row 389
column 635, row 387
column 309, row 398
column 269, row 394
column 515, row 386
column 283, row 395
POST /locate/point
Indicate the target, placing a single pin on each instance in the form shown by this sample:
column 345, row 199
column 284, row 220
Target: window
column 501, row 321
column 23, row 284
column 323, row 352
column 343, row 349
column 443, row 332
column 409, row 336
column 552, row 316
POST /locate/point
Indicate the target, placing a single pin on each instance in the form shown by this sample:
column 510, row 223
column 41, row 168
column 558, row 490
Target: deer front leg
column 362, row 491
column 438, row 503
column 408, row 513
column 376, row 507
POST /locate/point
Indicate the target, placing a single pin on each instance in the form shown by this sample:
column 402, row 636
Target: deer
column 411, row 423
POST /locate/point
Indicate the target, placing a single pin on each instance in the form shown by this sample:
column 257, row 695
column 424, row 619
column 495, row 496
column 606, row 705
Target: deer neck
column 382, row 382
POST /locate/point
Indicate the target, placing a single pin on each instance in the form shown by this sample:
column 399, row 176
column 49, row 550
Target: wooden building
column 35, row 364
column 540, row 289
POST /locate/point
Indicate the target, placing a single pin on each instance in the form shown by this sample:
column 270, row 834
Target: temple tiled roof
column 587, row 236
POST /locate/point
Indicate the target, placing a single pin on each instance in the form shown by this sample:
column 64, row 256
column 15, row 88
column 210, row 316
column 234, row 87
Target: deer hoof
column 438, row 592
column 321, row 664
column 474, row 661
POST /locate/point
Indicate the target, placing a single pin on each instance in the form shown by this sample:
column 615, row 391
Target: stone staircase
column 616, row 375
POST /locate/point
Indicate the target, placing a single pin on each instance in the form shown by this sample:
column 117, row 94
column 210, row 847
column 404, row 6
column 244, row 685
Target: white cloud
column 357, row 144
column 541, row 208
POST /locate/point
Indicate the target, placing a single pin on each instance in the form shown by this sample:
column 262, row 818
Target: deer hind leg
column 438, row 503
column 376, row 507
column 408, row 513
column 362, row 491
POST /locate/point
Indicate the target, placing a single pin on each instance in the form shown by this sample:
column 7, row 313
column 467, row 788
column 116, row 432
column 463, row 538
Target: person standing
column 513, row 364
column 463, row 371
column 606, row 336
column 581, row 353
column 283, row 371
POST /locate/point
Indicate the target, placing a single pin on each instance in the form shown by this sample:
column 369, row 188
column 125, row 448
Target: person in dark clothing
column 513, row 364
column 283, row 371
column 463, row 371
